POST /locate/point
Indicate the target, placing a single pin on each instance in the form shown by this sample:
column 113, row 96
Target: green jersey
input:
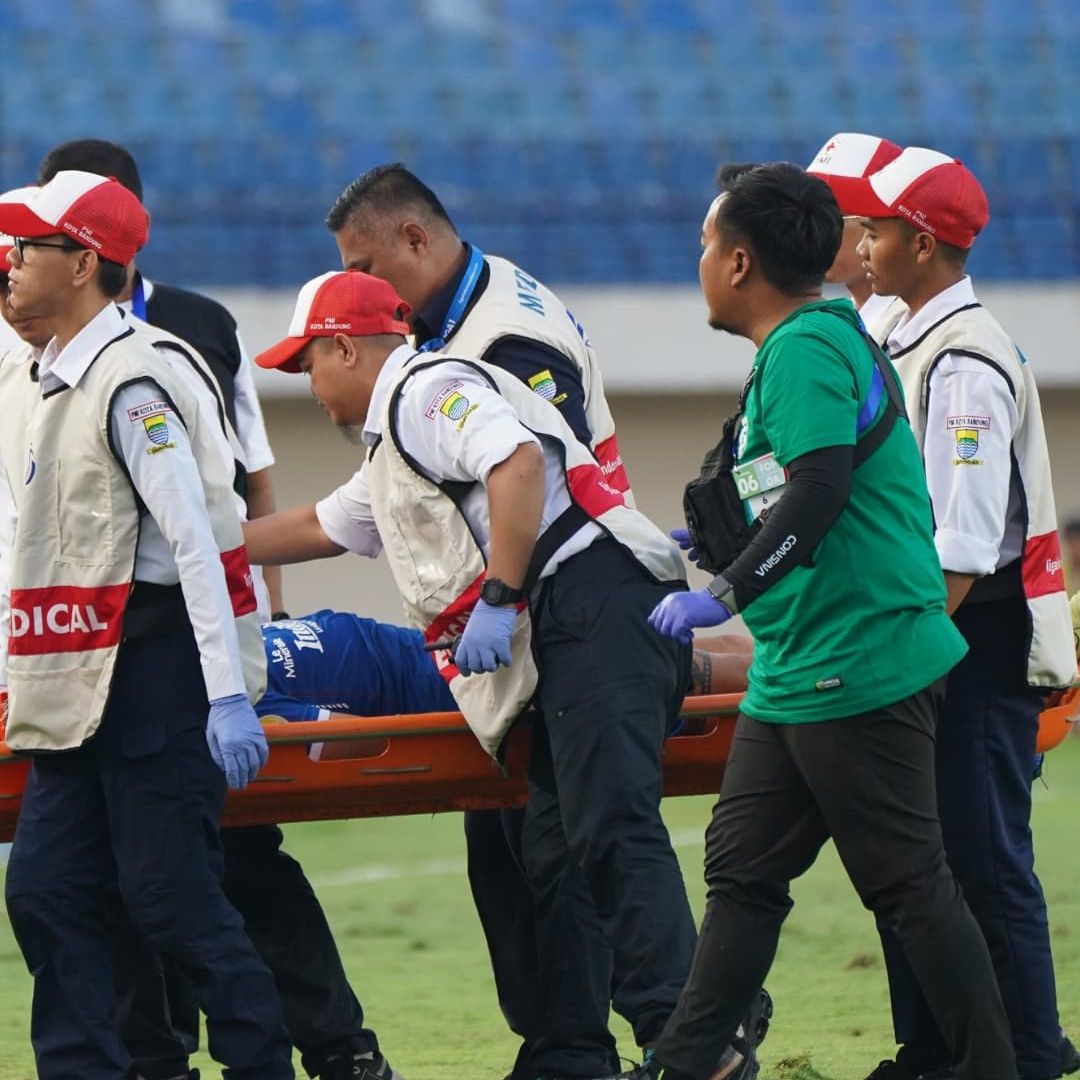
column 863, row 624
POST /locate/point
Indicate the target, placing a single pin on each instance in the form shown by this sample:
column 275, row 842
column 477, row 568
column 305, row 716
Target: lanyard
column 456, row 311
column 138, row 299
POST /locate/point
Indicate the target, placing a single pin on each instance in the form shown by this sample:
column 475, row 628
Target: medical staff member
column 128, row 587
column 500, row 535
column 324, row 1017
column 836, row 735
column 390, row 224
column 974, row 408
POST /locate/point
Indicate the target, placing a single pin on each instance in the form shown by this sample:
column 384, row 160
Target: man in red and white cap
column 843, row 163
column 134, row 651
column 974, row 407
column 500, row 526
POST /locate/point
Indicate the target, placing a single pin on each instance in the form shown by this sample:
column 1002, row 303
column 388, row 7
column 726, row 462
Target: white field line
column 376, row 872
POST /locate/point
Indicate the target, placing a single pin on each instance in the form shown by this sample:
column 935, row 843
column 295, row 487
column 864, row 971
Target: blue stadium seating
column 581, row 136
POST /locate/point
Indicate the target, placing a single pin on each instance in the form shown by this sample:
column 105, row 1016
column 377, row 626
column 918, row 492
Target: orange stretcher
column 428, row 763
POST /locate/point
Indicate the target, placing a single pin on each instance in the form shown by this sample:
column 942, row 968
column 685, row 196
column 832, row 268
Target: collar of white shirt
column 873, row 306
column 69, row 364
column 911, row 327
column 386, row 379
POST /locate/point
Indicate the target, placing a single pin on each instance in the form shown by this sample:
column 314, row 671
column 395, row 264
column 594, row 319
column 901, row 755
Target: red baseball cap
column 847, row 159
column 8, row 242
column 346, row 302
column 96, row 212
column 931, row 190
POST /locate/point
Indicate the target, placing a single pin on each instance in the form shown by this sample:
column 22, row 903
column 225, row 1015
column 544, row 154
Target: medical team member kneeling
column 840, row 585
column 504, row 537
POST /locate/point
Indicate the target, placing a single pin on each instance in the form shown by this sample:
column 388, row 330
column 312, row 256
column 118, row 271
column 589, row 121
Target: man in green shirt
column 843, row 592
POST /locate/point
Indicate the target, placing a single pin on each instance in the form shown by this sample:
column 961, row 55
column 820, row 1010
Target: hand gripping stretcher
column 427, row 763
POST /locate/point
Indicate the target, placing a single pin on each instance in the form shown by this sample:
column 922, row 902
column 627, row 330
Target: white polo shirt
column 978, row 509
column 456, row 450
column 176, row 542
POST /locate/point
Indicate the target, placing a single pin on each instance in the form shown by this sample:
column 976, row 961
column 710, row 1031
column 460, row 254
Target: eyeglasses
column 20, row 244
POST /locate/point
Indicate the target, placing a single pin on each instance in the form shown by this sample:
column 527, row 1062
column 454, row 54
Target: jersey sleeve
column 155, row 449
column 457, row 427
column 273, row 704
column 809, row 396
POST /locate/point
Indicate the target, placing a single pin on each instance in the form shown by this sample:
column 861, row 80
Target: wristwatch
column 721, row 589
column 497, row 593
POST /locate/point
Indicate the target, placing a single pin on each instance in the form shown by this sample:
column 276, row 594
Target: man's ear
column 741, row 264
column 416, row 236
column 86, row 266
column 346, row 350
column 924, row 245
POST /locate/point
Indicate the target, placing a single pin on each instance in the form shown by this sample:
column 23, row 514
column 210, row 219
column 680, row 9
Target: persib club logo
column 543, row 383
column 967, row 443
column 157, row 429
column 966, row 430
column 455, row 406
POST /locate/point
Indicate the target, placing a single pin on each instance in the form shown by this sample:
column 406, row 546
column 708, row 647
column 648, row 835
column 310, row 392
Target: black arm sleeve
column 817, row 491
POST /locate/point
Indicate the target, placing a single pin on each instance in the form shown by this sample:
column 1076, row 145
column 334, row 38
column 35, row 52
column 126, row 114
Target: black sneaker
column 1070, row 1056
column 891, row 1070
column 351, row 1066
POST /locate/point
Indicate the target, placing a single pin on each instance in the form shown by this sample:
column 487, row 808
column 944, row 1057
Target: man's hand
column 485, row 644
column 236, row 738
column 682, row 538
column 679, row 612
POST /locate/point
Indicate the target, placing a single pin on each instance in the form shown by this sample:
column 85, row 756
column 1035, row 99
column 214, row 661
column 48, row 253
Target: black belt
column 1000, row 585
column 154, row 610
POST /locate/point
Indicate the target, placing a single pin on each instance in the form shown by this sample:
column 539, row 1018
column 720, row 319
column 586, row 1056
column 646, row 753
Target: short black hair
column 111, row 277
column 958, row 256
column 790, row 221
column 727, row 174
column 93, row 156
column 385, row 189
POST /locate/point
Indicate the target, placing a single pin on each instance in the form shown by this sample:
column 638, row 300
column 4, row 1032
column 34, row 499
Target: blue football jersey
column 337, row 661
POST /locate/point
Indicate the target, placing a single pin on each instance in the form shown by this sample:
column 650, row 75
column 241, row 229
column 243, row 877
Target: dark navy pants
column 985, row 753
column 133, row 814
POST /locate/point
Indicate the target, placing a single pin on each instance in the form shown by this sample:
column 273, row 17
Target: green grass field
column 396, row 894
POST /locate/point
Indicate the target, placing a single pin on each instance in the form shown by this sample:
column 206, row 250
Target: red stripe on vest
column 591, row 491
column 1042, row 566
column 66, row 618
column 611, row 464
column 238, row 579
column 450, row 624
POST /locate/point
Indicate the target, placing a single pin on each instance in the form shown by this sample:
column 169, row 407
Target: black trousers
column 286, row 923
column 131, row 817
column 985, row 752
column 867, row 781
column 610, row 688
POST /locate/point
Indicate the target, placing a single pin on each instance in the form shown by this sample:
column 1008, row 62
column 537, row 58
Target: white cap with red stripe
column 934, row 192
column 7, row 242
column 847, row 158
column 96, row 212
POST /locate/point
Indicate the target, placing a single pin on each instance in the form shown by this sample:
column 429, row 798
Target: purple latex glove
column 682, row 538
column 485, row 644
column 679, row 612
column 237, row 740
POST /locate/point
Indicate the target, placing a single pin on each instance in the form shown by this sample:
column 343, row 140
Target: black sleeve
column 816, row 493
column 528, row 359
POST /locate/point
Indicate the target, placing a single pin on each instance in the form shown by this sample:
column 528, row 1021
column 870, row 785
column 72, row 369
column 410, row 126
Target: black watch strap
column 721, row 589
column 496, row 592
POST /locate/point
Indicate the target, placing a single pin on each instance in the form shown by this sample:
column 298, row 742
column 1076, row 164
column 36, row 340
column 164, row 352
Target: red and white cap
column 932, row 191
column 96, row 212
column 346, row 302
column 847, row 159
column 7, row 242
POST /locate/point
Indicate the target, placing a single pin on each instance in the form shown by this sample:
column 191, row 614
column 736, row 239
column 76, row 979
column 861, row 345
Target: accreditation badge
column 759, row 483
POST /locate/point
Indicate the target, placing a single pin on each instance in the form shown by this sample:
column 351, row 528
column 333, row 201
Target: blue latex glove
column 485, row 644
column 679, row 612
column 237, row 740
column 682, row 538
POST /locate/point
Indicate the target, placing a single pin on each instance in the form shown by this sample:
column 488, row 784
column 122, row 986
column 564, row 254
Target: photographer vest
column 76, row 535
column 517, row 305
column 439, row 566
column 972, row 331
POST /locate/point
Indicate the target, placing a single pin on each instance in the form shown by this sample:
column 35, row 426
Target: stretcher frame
column 429, row 763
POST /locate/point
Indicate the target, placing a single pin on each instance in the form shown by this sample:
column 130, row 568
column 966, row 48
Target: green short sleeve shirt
column 863, row 624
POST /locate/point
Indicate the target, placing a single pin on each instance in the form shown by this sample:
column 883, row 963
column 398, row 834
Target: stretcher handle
column 415, row 725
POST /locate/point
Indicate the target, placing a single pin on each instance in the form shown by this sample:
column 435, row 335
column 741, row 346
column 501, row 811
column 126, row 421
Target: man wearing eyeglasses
column 128, row 588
